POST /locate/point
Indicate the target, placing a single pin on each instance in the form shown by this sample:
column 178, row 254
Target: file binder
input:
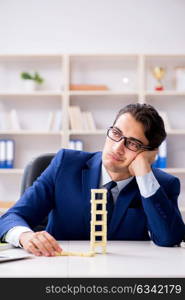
column 2, row 154
column 7, row 148
column 161, row 157
column 76, row 145
column 9, row 154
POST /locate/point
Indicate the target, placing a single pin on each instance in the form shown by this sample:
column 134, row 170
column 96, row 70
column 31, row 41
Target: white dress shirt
column 148, row 186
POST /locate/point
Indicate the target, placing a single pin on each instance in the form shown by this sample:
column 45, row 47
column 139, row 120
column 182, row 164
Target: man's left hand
column 141, row 165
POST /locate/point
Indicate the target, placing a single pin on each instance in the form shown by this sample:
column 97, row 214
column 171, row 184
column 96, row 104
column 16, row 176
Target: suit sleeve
column 36, row 202
column 165, row 223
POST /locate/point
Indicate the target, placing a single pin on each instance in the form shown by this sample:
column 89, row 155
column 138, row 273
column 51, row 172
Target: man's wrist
column 148, row 184
column 13, row 235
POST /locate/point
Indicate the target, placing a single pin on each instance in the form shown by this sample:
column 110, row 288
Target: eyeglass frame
column 125, row 139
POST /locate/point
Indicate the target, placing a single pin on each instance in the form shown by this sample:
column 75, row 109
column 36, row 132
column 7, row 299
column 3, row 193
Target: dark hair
column 152, row 122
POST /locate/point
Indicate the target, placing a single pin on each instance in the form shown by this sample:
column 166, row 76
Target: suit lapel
column 90, row 179
column 122, row 203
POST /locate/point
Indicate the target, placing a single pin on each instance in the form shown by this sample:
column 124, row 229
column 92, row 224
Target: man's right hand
column 39, row 243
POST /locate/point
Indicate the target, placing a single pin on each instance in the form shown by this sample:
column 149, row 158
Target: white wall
column 133, row 26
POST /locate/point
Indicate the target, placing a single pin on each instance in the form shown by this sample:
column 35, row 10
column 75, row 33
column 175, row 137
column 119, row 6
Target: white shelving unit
column 62, row 70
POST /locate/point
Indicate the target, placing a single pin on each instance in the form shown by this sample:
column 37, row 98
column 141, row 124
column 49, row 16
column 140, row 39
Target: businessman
column 144, row 198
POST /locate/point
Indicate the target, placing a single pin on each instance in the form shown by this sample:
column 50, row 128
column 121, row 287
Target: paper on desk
column 13, row 254
column 4, row 246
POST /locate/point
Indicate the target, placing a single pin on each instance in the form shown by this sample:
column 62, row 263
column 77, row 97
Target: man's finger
column 53, row 242
column 46, row 244
column 40, row 246
column 32, row 249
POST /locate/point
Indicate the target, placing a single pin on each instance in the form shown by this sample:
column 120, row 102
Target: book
column 9, row 162
column 4, row 118
column 76, row 144
column 14, row 120
column 50, row 121
column 75, row 118
column 2, row 154
column 7, row 150
column 57, row 121
column 155, row 163
column 72, row 145
column 164, row 116
column 88, row 87
column 88, row 121
column 161, row 157
column 91, row 122
column 85, row 123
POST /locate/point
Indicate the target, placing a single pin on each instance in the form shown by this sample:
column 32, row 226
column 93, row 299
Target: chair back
column 33, row 170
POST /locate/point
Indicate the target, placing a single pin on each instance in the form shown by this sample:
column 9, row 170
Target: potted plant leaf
column 32, row 81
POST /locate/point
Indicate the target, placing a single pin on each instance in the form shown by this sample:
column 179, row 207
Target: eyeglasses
column 114, row 134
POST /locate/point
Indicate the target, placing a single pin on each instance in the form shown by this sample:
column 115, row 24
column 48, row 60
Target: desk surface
column 123, row 259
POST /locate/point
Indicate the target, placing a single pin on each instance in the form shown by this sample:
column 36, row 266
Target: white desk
column 124, row 259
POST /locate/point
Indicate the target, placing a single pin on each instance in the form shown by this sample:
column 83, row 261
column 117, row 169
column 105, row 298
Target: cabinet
column 128, row 78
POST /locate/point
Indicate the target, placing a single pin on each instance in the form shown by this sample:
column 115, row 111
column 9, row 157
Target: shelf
column 102, row 93
column 176, row 131
column 164, row 55
column 28, row 55
column 96, row 132
column 12, row 171
column 60, row 71
column 30, row 132
column 174, row 170
column 135, row 55
column 34, row 93
column 164, row 93
column 34, row 56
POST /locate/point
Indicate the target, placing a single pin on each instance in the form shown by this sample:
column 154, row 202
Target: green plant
column 36, row 77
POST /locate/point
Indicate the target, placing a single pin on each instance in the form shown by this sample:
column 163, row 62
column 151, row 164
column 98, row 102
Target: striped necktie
column 110, row 202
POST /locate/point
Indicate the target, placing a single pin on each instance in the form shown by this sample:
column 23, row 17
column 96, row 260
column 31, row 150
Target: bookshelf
column 128, row 79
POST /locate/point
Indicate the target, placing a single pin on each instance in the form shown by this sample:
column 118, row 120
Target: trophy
column 158, row 73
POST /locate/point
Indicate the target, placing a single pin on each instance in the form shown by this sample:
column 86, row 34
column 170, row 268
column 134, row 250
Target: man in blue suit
column 145, row 198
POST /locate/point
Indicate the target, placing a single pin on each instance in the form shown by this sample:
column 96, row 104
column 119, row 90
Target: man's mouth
column 114, row 157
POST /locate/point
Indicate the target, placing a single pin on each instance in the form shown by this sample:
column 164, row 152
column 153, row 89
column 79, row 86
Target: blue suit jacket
column 63, row 192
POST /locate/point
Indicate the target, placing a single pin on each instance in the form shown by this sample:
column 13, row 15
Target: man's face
column 116, row 157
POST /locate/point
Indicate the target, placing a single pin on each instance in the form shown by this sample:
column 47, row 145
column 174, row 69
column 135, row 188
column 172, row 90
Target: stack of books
column 82, row 121
column 7, row 153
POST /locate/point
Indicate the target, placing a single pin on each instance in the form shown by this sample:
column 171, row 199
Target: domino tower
column 98, row 220
column 98, row 234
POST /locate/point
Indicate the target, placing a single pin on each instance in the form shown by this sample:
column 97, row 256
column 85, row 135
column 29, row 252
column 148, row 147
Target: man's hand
column 39, row 243
column 141, row 165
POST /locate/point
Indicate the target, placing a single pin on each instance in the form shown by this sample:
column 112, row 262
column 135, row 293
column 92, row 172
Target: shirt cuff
column 148, row 184
column 13, row 235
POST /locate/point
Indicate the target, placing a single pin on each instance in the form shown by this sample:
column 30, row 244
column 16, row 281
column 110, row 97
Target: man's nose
column 119, row 146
